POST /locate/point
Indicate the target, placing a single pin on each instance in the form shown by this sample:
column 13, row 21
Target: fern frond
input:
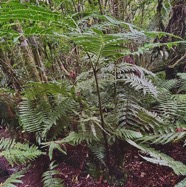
column 123, row 68
column 15, row 10
column 43, row 118
column 77, row 138
column 169, row 84
column 127, row 110
column 160, row 158
column 98, row 152
column 52, row 146
column 34, row 90
column 31, row 117
column 58, row 113
column 136, row 77
column 97, row 43
column 144, row 84
column 181, row 184
column 85, row 85
column 171, row 109
column 150, row 120
column 6, row 143
column 164, row 138
column 166, row 86
column 182, row 77
column 21, row 153
column 49, row 177
column 46, row 108
column 13, row 180
column 123, row 133
column 134, row 117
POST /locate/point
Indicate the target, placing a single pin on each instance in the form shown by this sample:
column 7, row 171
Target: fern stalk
column 102, row 119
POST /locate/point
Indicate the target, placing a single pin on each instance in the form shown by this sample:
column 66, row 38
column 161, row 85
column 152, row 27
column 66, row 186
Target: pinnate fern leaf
column 13, row 180
column 98, row 152
column 160, row 158
column 181, row 183
column 75, row 138
column 50, row 177
column 20, row 153
column 123, row 133
column 6, row 143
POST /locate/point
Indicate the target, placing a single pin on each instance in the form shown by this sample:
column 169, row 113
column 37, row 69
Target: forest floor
column 139, row 173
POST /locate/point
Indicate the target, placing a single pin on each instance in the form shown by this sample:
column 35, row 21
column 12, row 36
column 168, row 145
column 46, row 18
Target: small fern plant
column 50, row 177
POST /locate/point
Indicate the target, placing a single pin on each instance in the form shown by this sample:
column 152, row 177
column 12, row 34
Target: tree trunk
column 8, row 70
column 177, row 54
column 28, row 56
column 38, row 59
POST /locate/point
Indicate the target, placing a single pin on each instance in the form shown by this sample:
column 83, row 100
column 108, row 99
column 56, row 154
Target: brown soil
column 139, row 173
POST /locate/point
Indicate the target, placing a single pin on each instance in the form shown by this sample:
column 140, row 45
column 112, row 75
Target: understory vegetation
column 98, row 75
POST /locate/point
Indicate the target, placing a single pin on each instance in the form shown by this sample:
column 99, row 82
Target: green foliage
column 179, row 83
column 122, row 133
column 165, row 136
column 47, row 114
column 78, row 138
column 116, row 100
column 18, row 153
column 157, row 157
column 181, row 184
column 52, row 146
column 98, row 152
column 182, row 82
column 6, row 143
column 50, row 177
column 34, row 90
column 13, row 180
column 8, row 109
column 25, row 11
column 169, row 110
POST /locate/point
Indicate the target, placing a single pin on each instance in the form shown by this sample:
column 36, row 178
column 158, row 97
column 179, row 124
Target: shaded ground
column 72, row 168
column 145, row 174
